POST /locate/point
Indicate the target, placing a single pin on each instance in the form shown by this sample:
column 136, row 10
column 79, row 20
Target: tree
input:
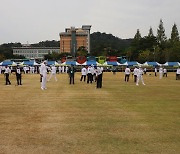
column 148, row 42
column 144, row 56
column 136, row 45
column 174, row 34
column 52, row 56
column 47, row 43
column 137, row 35
column 2, row 57
column 161, row 37
column 150, row 34
column 129, row 55
column 102, row 42
column 82, row 51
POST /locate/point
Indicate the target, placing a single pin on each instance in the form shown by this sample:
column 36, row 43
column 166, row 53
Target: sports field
column 120, row 118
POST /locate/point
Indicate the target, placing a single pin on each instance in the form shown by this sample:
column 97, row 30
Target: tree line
column 148, row 48
column 155, row 48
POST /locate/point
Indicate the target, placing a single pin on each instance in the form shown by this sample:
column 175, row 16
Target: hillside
column 102, row 43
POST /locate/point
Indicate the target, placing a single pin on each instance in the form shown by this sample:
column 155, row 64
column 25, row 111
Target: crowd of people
column 89, row 74
column 93, row 73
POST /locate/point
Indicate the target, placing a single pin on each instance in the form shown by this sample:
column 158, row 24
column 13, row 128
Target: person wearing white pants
column 43, row 73
column 160, row 73
column 53, row 73
column 139, row 76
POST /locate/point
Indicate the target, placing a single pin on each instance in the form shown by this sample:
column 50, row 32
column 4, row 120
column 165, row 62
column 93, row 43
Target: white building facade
column 34, row 52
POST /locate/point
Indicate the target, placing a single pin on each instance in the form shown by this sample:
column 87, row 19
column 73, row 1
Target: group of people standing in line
column 91, row 73
column 7, row 72
column 138, row 74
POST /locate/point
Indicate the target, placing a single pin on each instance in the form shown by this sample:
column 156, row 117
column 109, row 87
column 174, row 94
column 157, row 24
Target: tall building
column 73, row 38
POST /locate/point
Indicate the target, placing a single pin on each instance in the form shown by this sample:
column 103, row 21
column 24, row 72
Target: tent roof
column 30, row 63
column 114, row 63
column 131, row 63
column 92, row 62
column 171, row 64
column 151, row 64
column 6, row 63
column 71, row 63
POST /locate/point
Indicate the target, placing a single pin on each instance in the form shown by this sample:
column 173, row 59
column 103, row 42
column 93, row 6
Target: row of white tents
column 108, row 63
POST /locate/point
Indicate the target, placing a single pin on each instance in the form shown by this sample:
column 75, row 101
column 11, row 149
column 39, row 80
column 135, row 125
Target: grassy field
column 80, row 119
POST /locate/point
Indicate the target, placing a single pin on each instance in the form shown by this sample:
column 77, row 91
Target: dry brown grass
column 79, row 119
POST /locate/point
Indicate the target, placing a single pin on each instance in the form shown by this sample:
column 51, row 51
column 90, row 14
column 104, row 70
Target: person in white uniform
column 6, row 73
column 53, row 73
column 155, row 71
column 164, row 72
column 140, row 76
column 84, row 73
column 127, row 74
column 89, row 75
column 160, row 73
column 66, row 69
column 93, row 75
column 178, row 74
column 0, row 69
column 43, row 73
column 60, row 69
column 135, row 74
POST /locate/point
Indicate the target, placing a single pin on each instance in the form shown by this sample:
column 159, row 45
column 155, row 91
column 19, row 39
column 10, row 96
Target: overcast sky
column 39, row 20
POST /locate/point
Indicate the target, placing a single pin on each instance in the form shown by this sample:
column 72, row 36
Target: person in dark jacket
column 71, row 72
column 18, row 76
column 98, row 77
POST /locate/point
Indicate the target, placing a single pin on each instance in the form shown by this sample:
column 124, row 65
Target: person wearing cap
column 98, row 77
column 71, row 72
column 127, row 74
column 43, row 74
column 6, row 73
column 53, row 73
column 139, row 76
column 84, row 73
column 18, row 76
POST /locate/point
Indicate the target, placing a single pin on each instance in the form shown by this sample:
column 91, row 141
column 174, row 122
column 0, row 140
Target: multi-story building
column 73, row 38
column 34, row 52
